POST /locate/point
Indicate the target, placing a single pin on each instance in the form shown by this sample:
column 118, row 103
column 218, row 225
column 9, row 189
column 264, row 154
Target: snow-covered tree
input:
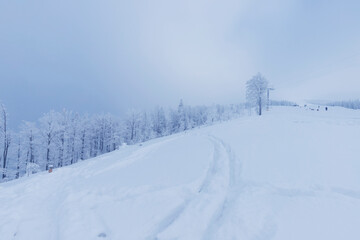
column 174, row 122
column 19, row 161
column 183, row 116
column 199, row 115
column 256, row 89
column 63, row 123
column 49, row 129
column 84, row 132
column 159, row 122
column 145, row 127
column 29, row 134
column 132, row 127
column 5, row 137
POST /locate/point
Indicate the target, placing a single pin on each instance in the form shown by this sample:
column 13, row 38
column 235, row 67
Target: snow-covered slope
column 290, row 174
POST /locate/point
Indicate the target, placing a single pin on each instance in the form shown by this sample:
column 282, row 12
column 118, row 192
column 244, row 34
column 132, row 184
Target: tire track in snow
column 208, row 187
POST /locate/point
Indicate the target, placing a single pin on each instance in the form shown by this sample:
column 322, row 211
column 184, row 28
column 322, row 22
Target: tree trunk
column 48, row 152
column 18, row 161
column 6, row 141
column 260, row 110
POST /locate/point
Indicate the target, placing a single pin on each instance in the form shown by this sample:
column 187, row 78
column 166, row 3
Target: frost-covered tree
column 29, row 134
column 74, row 138
column 132, row 127
column 49, row 129
column 84, row 132
column 145, row 127
column 19, row 159
column 101, row 135
column 256, row 89
column 174, row 121
column 63, row 123
column 159, row 122
column 183, row 116
column 5, row 137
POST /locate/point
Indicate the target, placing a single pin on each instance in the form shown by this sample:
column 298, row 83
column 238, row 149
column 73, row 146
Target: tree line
column 351, row 104
column 63, row 138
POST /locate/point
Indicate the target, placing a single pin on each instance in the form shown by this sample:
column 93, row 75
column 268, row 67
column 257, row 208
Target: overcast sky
column 111, row 55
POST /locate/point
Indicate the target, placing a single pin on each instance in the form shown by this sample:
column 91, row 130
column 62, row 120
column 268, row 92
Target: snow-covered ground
column 290, row 174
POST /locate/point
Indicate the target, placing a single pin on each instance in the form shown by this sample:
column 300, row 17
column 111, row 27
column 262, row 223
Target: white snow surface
column 290, row 174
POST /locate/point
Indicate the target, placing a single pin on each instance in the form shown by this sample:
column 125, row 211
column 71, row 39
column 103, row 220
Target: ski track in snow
column 169, row 220
column 233, row 192
column 225, row 167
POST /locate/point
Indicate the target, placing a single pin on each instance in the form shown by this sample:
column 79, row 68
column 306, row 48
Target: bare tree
column 256, row 92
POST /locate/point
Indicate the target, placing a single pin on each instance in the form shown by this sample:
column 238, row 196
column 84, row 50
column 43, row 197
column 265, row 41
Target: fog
column 110, row 56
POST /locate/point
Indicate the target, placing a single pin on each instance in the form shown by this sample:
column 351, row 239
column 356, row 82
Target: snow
column 290, row 174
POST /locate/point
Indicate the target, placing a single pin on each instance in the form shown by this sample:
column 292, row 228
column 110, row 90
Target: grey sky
column 109, row 56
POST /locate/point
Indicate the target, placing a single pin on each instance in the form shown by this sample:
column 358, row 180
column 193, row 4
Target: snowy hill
column 290, row 174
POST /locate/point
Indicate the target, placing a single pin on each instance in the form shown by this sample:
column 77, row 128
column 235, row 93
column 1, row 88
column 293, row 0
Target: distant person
column 326, row 108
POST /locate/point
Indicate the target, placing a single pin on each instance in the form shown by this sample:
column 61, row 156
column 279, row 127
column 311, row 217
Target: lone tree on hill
column 256, row 92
